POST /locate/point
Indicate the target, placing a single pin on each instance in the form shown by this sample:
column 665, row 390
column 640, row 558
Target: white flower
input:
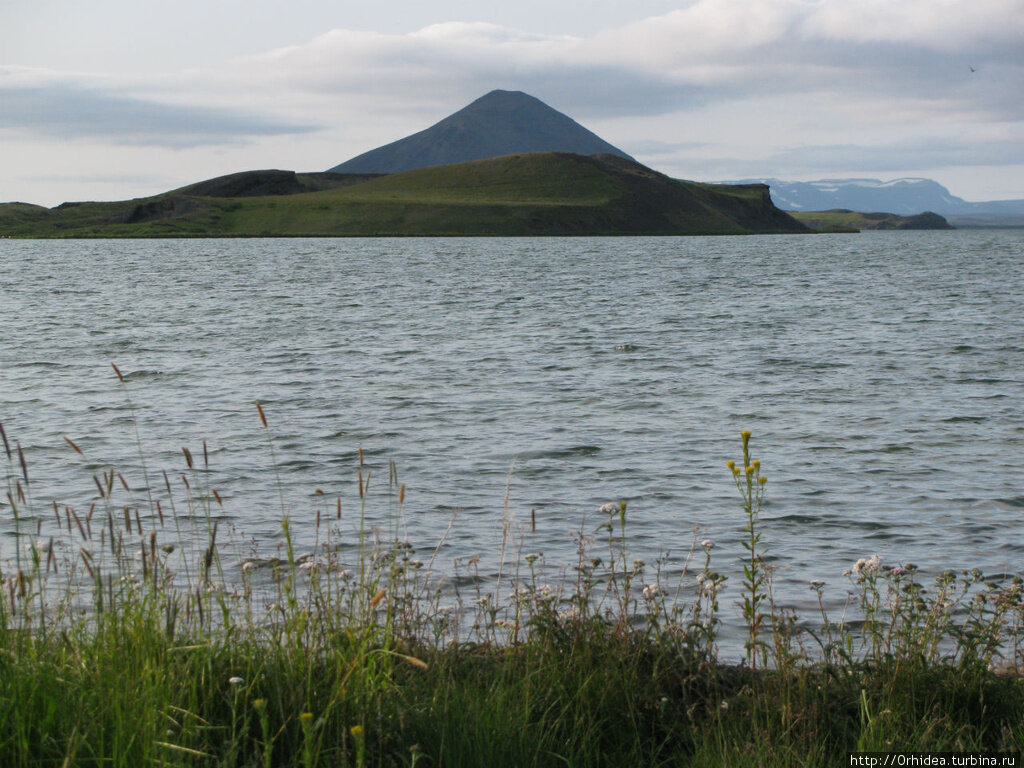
column 707, row 544
column 817, row 583
column 248, row 565
column 236, row 681
column 701, row 578
column 609, row 508
column 867, row 564
column 652, row 591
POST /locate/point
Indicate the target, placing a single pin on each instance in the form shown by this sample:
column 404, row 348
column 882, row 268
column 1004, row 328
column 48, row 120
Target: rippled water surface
column 882, row 376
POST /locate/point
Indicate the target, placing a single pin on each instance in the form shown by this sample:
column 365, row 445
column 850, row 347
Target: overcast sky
column 112, row 99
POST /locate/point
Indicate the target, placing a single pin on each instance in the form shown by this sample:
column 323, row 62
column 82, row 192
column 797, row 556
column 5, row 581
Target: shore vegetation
column 137, row 637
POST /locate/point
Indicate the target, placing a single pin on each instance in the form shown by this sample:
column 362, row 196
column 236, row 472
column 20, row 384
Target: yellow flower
column 356, row 731
column 756, row 465
column 730, row 464
column 750, row 471
column 762, row 480
column 306, row 718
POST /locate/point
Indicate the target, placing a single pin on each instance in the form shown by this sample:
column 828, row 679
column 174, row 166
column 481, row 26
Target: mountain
column 554, row 193
column 900, row 196
column 499, row 123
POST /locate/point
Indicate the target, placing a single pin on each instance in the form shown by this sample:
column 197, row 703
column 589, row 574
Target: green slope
column 530, row 194
column 843, row 220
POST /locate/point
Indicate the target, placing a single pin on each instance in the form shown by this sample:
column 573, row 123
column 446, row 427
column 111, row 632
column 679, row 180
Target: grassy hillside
column 842, row 220
column 530, row 194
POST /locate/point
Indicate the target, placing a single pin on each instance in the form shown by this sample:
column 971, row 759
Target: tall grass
column 135, row 637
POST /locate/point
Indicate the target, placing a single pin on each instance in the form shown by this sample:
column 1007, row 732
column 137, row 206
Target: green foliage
column 531, row 194
column 108, row 659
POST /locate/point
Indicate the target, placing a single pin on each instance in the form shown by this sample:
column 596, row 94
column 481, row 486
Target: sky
column 114, row 99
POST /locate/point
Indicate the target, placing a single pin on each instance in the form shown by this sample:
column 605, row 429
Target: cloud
column 947, row 25
column 711, row 86
column 712, row 50
column 897, row 156
column 67, row 110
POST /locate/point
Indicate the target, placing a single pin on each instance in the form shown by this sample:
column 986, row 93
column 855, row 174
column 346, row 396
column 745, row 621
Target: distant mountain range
column 901, row 196
column 498, row 123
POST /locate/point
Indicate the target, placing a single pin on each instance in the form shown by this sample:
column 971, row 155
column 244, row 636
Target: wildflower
column 898, row 570
column 867, row 564
column 707, row 544
column 248, row 565
column 306, row 566
column 609, row 508
column 731, row 464
column 653, row 591
column 236, row 681
column 355, row 730
column 724, row 706
column 532, row 558
column 817, row 584
column 701, row 577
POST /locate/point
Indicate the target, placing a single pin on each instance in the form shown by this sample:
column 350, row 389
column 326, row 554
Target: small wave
column 564, row 453
column 143, row 375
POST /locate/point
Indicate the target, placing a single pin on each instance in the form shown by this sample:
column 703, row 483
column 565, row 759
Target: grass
column 530, row 194
column 121, row 644
column 842, row 220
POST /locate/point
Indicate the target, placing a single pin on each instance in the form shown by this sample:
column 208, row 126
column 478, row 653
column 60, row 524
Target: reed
column 137, row 636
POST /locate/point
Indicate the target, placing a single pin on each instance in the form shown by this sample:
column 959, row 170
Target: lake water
column 882, row 376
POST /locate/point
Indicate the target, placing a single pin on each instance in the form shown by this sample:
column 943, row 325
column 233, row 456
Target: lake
column 881, row 374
